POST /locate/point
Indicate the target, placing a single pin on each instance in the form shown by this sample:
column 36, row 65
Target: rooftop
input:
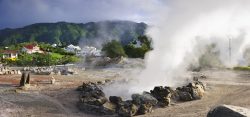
column 8, row 51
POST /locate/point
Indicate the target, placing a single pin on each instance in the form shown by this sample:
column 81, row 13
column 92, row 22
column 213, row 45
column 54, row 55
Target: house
column 31, row 48
column 91, row 51
column 54, row 45
column 9, row 54
column 73, row 49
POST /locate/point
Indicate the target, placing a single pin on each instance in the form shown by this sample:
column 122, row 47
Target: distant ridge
column 91, row 33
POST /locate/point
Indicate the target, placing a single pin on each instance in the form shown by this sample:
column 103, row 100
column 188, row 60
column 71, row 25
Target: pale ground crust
column 59, row 100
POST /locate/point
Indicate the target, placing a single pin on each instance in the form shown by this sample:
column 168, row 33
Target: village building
column 91, row 51
column 54, row 45
column 9, row 54
column 73, row 49
column 32, row 48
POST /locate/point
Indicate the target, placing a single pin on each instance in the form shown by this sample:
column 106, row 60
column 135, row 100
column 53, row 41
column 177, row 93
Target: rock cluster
column 7, row 71
column 93, row 100
column 162, row 94
column 192, row 91
column 50, row 70
column 228, row 111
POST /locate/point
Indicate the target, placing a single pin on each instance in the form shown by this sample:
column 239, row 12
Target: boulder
column 115, row 99
column 108, row 81
column 145, row 108
column 93, row 100
column 228, row 111
column 192, row 91
column 88, row 108
column 184, row 96
column 25, row 79
column 70, row 71
column 145, row 102
column 162, row 94
column 19, row 72
column 100, row 82
column 108, row 108
column 105, row 109
column 144, row 98
column 64, row 72
column 127, row 109
column 53, row 80
column 197, row 92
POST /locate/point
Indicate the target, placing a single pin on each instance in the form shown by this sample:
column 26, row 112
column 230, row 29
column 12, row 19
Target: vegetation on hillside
column 63, row 33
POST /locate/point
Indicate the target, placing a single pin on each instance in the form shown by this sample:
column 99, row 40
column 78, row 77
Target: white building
column 91, row 51
column 9, row 54
column 54, row 45
column 73, row 49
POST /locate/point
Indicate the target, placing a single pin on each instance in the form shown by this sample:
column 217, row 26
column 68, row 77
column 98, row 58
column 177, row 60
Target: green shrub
column 113, row 49
column 242, row 68
column 138, row 52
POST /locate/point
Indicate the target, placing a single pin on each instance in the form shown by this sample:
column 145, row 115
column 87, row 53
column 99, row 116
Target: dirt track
column 44, row 99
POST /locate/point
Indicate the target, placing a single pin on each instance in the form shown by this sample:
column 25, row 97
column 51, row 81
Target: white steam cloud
column 180, row 32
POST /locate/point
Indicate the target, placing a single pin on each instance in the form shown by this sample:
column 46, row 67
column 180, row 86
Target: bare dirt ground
column 59, row 100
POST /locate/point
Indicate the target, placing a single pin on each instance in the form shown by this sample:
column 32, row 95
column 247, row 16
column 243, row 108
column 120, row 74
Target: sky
column 18, row 13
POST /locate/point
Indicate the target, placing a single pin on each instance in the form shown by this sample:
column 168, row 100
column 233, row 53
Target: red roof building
column 31, row 48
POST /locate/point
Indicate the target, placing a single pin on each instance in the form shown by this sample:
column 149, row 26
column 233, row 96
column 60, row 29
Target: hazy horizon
column 19, row 13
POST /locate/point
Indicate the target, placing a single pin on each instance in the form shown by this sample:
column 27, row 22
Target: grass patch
column 242, row 68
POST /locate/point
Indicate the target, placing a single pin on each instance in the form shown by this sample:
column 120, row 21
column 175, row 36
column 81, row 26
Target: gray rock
column 144, row 98
column 115, row 99
column 145, row 108
column 229, row 111
column 197, row 92
column 25, row 79
column 184, row 96
column 93, row 100
column 145, row 102
column 88, row 108
column 192, row 91
column 19, row 72
column 108, row 108
column 127, row 109
column 162, row 94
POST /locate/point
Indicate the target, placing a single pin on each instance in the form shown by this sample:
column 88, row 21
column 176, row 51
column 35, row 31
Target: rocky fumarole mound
column 93, row 100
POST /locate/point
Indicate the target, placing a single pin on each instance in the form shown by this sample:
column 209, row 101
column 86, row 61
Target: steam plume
column 180, row 32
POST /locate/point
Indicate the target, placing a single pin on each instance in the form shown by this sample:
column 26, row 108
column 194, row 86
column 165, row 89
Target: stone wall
column 7, row 71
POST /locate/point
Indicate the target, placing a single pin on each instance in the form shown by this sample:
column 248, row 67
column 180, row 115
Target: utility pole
column 229, row 49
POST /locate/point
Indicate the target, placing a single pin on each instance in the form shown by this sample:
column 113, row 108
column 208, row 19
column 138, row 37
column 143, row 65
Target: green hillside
column 72, row 33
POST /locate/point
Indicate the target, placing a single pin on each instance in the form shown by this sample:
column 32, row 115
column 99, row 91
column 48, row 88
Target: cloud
column 16, row 13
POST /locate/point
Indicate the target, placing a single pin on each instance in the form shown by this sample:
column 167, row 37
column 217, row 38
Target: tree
column 138, row 52
column 145, row 40
column 113, row 49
